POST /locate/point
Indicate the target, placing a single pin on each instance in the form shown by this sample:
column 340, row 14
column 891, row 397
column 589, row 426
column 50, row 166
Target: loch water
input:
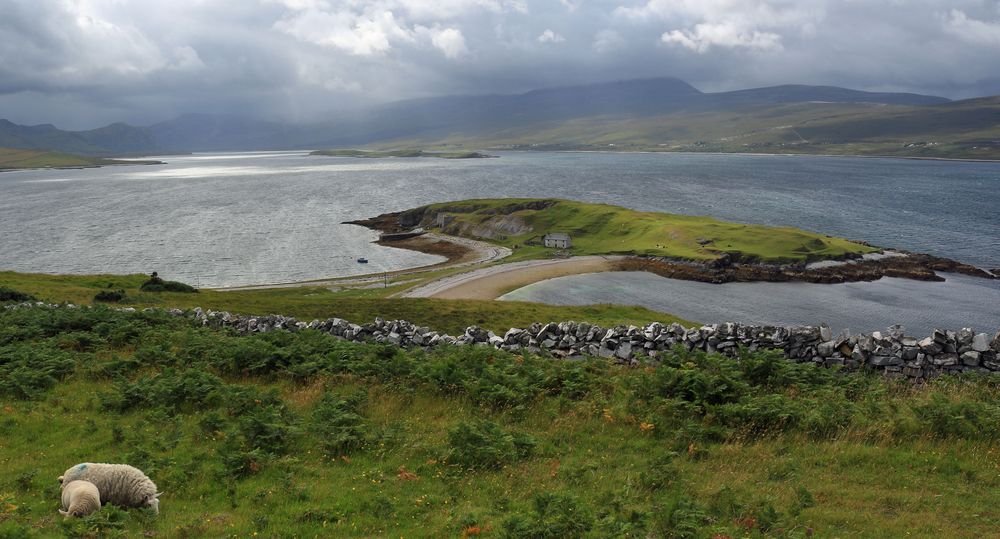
column 249, row 218
column 919, row 306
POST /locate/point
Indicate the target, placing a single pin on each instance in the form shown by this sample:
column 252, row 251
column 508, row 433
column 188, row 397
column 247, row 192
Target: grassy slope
column 606, row 229
column 17, row 159
column 901, row 465
column 965, row 129
column 321, row 303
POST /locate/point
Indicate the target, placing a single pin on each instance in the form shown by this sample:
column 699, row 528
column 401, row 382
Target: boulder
column 980, row 342
column 826, row 349
column 825, row 333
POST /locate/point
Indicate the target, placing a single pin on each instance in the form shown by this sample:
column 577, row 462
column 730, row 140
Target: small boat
column 362, row 260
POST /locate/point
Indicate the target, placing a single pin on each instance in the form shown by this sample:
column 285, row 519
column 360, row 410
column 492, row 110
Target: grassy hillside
column 967, row 129
column 302, row 435
column 13, row 159
column 606, row 229
column 309, row 303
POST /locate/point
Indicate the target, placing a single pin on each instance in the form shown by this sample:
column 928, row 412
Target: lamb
column 118, row 484
column 79, row 499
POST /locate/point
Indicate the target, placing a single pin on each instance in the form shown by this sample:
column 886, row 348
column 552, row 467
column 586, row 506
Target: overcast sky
column 84, row 63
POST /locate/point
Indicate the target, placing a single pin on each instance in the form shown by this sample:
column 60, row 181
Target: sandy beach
column 459, row 252
column 495, row 281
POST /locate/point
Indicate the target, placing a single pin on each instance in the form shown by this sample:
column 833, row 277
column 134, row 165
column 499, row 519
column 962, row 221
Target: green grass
column 308, row 303
column 606, row 229
column 399, row 153
column 15, row 159
column 237, row 432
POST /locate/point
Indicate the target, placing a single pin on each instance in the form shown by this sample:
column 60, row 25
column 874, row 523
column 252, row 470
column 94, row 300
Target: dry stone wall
column 891, row 351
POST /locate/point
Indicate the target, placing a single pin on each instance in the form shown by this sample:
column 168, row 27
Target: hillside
column 661, row 114
column 598, row 229
column 303, row 434
column 963, row 129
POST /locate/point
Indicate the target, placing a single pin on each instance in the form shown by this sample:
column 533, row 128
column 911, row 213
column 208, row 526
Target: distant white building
column 557, row 240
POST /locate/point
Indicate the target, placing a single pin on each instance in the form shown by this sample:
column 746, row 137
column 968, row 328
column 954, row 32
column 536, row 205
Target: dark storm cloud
column 85, row 62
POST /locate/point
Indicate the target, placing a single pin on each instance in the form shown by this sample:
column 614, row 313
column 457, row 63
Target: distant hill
column 45, row 136
column 663, row 114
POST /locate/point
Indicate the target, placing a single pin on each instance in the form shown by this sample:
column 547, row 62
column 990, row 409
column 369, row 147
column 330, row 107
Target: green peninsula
column 17, row 159
column 400, row 153
column 603, row 229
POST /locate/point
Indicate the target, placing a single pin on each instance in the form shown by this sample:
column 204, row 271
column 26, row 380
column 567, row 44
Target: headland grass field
column 11, row 158
column 359, row 306
column 17, row 159
column 597, row 229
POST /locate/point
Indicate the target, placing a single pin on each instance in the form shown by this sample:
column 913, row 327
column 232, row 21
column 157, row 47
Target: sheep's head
column 153, row 501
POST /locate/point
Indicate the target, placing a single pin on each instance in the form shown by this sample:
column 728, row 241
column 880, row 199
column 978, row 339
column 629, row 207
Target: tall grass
column 301, row 434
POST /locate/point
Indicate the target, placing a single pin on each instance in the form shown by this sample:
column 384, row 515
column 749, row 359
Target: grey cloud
column 82, row 64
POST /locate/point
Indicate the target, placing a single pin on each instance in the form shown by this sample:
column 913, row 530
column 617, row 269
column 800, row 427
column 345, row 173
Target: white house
column 557, row 240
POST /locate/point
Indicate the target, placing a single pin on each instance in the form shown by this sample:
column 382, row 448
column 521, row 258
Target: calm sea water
column 247, row 218
column 919, row 306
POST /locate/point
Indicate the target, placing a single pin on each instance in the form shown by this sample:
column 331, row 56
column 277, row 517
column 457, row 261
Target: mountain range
column 659, row 113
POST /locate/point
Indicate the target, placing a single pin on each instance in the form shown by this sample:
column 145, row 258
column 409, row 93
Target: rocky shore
column 916, row 266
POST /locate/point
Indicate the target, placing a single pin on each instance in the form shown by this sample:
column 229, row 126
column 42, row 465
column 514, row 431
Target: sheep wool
column 79, row 499
column 118, row 484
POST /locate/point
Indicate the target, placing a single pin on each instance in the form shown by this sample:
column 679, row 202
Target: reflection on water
column 919, row 306
column 263, row 217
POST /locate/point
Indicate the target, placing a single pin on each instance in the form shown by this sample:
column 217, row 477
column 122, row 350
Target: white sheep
column 79, row 499
column 118, row 484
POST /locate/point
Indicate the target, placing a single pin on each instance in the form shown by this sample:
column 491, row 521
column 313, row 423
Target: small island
column 400, row 153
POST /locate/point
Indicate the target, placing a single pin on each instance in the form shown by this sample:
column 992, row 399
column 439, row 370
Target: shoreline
column 768, row 154
column 458, row 253
column 85, row 167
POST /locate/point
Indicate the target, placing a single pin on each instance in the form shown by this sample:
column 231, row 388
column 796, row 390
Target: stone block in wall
column 945, row 360
column 885, row 361
column 970, row 358
column 980, row 342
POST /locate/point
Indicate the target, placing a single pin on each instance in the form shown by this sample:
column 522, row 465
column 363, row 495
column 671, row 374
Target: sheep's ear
column 158, row 494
